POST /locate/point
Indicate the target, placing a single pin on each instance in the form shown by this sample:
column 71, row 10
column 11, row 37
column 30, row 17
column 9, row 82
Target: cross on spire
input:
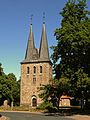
column 43, row 17
column 31, row 18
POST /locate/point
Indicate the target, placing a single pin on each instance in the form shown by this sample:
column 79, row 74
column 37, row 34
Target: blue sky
column 15, row 24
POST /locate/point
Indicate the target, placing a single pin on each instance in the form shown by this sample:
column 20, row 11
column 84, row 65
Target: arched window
column 34, row 69
column 40, row 69
column 34, row 102
column 28, row 70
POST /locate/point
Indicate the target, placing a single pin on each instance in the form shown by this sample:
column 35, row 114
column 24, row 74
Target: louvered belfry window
column 40, row 69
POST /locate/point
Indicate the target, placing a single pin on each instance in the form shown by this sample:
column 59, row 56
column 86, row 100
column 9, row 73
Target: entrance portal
column 34, row 102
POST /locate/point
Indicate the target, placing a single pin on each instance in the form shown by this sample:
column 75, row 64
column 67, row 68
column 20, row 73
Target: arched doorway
column 34, row 101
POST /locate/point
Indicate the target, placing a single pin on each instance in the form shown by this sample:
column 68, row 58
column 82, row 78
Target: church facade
column 36, row 69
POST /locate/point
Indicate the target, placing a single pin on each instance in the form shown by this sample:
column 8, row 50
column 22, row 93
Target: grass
column 62, row 110
column 20, row 108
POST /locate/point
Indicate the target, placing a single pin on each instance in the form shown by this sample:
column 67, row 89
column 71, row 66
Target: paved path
column 33, row 116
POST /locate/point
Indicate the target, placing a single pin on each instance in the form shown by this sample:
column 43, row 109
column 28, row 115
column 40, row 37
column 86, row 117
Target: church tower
column 36, row 69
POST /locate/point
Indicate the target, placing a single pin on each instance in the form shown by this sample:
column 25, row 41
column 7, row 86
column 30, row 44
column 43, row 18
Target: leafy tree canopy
column 71, row 55
column 9, row 88
column 73, row 39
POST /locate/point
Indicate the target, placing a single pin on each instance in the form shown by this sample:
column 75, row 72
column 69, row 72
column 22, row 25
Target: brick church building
column 36, row 69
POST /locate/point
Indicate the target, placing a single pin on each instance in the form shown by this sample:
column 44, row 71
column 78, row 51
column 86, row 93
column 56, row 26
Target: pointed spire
column 30, row 45
column 31, row 37
column 32, row 54
column 43, row 51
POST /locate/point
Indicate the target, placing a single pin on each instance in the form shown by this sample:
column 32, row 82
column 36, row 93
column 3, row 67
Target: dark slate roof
column 43, row 51
column 33, row 54
column 31, row 51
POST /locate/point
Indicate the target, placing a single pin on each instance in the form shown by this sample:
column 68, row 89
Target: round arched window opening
column 34, row 69
column 28, row 70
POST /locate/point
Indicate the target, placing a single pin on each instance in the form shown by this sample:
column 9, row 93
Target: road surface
column 32, row 116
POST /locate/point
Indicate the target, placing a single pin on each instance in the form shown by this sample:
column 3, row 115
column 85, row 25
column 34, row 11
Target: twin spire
column 32, row 53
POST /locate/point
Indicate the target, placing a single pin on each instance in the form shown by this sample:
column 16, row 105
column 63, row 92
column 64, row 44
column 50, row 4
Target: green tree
column 52, row 92
column 14, row 87
column 1, row 69
column 73, row 39
column 71, row 55
column 9, row 88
